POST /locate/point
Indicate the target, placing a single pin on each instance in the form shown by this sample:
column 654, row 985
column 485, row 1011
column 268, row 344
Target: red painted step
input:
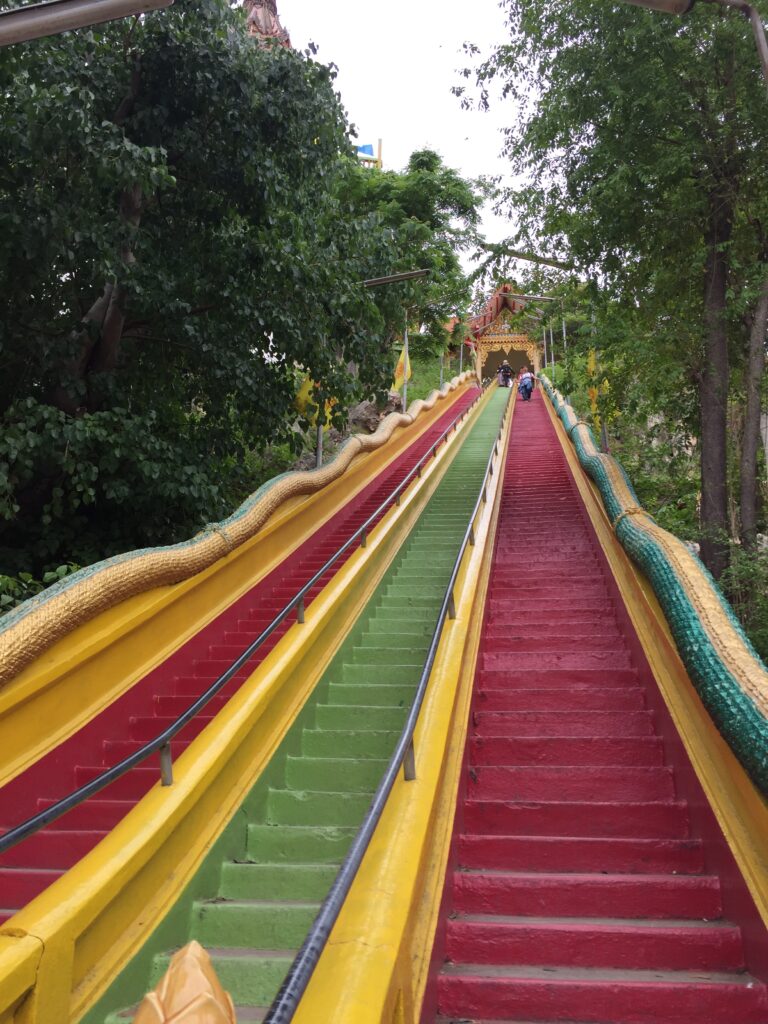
column 507, row 677
column 629, row 698
column 483, row 993
column 53, row 849
column 488, row 782
column 529, row 661
column 566, row 750
column 665, row 819
column 562, row 854
column 579, row 894
column 19, row 885
column 153, row 703
column 676, row 945
column 564, row 723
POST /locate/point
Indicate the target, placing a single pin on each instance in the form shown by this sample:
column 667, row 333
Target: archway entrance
column 497, row 335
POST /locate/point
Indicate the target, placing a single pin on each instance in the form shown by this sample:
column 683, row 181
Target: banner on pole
column 403, row 371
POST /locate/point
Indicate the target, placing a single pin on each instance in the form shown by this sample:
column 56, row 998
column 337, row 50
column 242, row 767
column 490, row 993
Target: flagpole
column 552, row 351
column 319, row 446
column 406, row 364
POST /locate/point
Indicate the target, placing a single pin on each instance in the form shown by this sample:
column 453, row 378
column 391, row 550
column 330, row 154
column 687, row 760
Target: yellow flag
column 302, row 400
column 403, row 370
column 302, row 395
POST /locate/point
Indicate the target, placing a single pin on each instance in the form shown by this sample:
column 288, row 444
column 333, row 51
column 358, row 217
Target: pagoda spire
column 263, row 22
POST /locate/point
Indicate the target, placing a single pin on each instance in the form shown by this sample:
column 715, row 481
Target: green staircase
column 320, row 786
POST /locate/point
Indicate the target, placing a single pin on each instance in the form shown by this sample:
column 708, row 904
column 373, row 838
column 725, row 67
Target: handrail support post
column 300, row 611
column 166, row 765
column 409, row 763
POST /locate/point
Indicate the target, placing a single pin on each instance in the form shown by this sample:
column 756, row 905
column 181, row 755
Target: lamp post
column 749, row 12
column 20, row 24
column 407, row 275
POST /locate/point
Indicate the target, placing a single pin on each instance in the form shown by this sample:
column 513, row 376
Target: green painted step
column 284, row 848
column 369, row 717
column 329, row 774
column 276, row 881
column 401, row 627
column 370, row 672
column 316, row 743
column 304, row 807
column 297, row 843
column 394, row 640
column 376, row 694
column 259, row 923
column 414, row 604
column 409, row 654
column 251, row 976
column 416, row 588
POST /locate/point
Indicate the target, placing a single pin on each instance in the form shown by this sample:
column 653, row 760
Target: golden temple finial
column 263, row 22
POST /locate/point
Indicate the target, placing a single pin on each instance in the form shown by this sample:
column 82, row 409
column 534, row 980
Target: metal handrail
column 162, row 743
column 287, row 999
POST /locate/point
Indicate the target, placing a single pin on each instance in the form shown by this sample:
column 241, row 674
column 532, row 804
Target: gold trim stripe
column 54, row 614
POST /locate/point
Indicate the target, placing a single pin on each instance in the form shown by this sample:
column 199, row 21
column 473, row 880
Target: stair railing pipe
column 38, row 821
column 300, row 972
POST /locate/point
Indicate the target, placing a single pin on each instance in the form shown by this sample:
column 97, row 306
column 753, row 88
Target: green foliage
column 16, row 589
column 636, row 118
column 184, row 233
column 426, row 374
column 431, row 215
column 745, row 581
column 637, row 155
column 75, row 486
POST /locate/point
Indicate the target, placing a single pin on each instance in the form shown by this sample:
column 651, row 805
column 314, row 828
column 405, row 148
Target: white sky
column 397, row 62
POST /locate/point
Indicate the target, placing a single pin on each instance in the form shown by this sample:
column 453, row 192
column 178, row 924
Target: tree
column 431, row 215
column 174, row 243
column 184, row 236
column 642, row 141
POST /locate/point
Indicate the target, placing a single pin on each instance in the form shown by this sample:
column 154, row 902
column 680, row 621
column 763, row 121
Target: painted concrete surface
column 302, row 818
column 580, row 894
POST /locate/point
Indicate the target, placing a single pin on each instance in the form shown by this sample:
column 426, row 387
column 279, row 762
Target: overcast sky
column 397, row 62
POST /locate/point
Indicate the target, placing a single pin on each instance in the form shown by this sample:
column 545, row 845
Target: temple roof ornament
column 493, row 330
column 264, row 23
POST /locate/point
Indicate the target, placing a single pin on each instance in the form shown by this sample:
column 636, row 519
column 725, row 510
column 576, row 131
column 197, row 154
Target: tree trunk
column 751, row 443
column 103, row 324
column 713, row 391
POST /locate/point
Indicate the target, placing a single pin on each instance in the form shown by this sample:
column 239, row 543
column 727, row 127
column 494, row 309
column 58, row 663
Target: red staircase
column 156, row 701
column 579, row 895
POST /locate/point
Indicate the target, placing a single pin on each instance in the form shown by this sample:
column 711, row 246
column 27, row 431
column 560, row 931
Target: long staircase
column 155, row 702
column 302, row 817
column 580, row 895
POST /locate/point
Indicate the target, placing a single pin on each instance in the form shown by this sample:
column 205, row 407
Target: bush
column 15, row 589
column 745, row 582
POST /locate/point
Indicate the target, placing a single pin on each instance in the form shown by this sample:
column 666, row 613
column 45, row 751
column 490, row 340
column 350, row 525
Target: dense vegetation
column 638, row 155
column 184, row 233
